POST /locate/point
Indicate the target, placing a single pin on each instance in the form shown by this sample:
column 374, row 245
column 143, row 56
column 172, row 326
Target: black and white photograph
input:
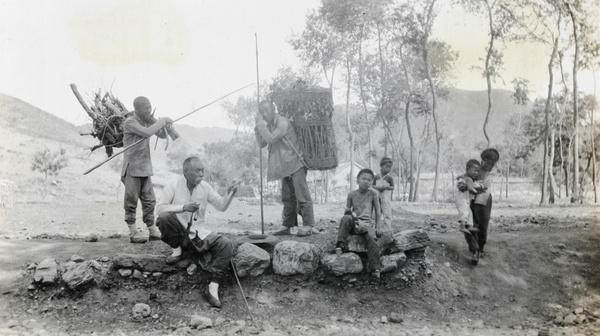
column 307, row 167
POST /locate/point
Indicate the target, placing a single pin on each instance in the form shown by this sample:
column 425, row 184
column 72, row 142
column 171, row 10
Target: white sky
column 184, row 54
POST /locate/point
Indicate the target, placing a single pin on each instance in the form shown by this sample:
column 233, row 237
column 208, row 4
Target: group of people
column 180, row 212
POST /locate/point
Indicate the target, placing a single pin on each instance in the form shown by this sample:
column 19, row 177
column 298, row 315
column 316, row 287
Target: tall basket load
column 310, row 111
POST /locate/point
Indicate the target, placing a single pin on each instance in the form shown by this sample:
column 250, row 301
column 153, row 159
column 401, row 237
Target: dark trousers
column 219, row 248
column 295, row 197
column 481, row 219
column 348, row 227
column 138, row 188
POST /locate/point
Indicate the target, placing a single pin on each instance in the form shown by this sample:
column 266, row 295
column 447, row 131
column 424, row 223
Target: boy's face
column 364, row 181
column 386, row 168
column 473, row 172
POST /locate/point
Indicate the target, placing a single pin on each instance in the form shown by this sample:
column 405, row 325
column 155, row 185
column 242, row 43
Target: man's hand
column 258, row 118
column 233, row 187
column 191, row 207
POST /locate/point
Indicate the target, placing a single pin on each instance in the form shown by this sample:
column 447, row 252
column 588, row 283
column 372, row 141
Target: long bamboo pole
column 262, row 218
column 137, row 142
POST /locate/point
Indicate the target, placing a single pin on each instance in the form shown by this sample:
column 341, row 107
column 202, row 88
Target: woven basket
column 310, row 112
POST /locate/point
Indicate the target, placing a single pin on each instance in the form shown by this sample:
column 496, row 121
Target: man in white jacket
column 184, row 202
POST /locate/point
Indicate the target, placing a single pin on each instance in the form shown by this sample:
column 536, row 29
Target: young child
column 384, row 183
column 358, row 219
column 463, row 199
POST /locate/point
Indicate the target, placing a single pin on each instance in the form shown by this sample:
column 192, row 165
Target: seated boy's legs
column 373, row 252
column 347, row 226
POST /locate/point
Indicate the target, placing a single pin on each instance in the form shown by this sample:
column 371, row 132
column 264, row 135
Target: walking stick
column 137, row 142
column 262, row 220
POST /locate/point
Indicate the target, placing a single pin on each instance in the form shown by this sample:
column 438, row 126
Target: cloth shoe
column 154, row 233
column 472, row 228
column 214, row 301
column 284, row 231
column 135, row 236
column 475, row 258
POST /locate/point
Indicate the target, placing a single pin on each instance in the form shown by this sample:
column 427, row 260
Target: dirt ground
column 541, row 263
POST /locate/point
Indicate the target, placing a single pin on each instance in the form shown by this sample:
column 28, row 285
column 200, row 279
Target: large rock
column 292, row 257
column 251, row 260
column 410, row 240
column 46, row 272
column 200, row 322
column 392, row 262
column 88, row 272
column 343, row 264
column 143, row 262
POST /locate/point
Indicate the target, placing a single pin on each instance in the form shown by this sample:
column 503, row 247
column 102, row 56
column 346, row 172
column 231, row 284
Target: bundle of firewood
column 107, row 113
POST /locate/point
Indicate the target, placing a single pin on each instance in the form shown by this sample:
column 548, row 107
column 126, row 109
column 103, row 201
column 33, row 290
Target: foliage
column 49, row 162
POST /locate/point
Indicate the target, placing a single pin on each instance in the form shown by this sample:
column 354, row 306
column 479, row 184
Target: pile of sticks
column 108, row 114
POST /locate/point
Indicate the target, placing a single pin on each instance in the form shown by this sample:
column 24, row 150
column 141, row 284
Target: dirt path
column 542, row 262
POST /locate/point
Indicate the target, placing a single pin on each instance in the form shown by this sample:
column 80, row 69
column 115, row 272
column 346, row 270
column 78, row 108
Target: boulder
column 343, row 264
column 200, row 322
column 46, row 272
column 141, row 309
column 143, row 262
column 80, row 274
column 410, row 240
column 392, row 262
column 292, row 257
column 251, row 260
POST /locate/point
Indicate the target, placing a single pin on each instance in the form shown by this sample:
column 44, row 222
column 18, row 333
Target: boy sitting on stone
column 463, row 199
column 357, row 220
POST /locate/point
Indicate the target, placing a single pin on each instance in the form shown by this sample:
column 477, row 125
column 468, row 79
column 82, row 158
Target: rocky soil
column 540, row 276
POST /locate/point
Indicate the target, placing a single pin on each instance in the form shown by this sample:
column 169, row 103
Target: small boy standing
column 384, row 183
column 358, row 219
column 463, row 199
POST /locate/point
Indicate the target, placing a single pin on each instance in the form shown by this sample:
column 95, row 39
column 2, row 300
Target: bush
column 49, row 162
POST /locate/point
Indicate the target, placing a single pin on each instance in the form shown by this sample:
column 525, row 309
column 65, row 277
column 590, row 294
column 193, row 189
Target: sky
column 185, row 54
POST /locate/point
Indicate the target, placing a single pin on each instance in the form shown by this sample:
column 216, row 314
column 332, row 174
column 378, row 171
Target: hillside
column 461, row 117
column 25, row 130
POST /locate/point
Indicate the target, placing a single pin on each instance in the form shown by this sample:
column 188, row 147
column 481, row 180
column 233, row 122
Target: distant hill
column 17, row 115
column 461, row 117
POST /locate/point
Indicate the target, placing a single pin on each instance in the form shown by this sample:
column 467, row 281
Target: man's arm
column 166, row 200
column 261, row 142
column 218, row 202
column 133, row 126
column 278, row 133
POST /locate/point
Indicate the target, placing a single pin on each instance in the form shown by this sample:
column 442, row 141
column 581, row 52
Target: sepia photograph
column 308, row 167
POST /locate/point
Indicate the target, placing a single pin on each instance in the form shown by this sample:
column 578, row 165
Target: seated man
column 180, row 219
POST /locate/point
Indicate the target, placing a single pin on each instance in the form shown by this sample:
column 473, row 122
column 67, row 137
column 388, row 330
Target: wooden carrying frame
column 310, row 112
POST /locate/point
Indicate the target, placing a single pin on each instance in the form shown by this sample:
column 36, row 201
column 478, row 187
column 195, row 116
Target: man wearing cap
column 285, row 164
column 136, row 173
column 182, row 205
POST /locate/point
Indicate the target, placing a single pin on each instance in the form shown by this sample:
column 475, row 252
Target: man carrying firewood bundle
column 137, row 168
column 285, row 163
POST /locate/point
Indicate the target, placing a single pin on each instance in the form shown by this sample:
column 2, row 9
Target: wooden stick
column 262, row 218
column 137, row 142
column 81, row 101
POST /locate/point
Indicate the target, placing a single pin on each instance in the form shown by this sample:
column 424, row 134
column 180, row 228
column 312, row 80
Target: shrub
column 49, row 162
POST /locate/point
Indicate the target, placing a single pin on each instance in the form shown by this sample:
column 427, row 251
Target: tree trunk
column 592, row 128
column 575, row 197
column 362, row 97
column 552, row 191
column 488, row 75
column 438, row 137
column 547, row 117
column 349, row 69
